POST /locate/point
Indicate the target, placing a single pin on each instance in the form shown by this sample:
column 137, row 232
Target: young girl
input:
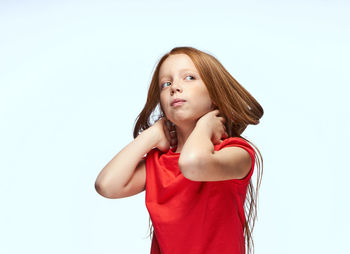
column 192, row 162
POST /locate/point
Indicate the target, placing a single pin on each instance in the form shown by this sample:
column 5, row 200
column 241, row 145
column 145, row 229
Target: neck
column 183, row 132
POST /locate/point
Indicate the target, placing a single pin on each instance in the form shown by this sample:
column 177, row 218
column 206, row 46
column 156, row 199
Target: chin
column 185, row 118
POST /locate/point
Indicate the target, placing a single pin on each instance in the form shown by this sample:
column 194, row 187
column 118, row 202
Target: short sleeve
column 149, row 153
column 240, row 142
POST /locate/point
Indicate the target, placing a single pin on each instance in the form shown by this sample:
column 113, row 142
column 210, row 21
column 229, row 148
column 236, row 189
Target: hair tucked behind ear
column 236, row 105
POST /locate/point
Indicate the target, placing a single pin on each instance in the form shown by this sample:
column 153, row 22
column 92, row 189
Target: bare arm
column 200, row 162
column 125, row 174
column 113, row 180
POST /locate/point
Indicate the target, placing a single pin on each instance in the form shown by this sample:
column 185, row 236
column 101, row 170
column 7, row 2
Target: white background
column 74, row 76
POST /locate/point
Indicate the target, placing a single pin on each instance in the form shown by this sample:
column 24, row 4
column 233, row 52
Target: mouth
column 177, row 103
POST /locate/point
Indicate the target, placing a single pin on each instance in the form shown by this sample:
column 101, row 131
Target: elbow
column 103, row 191
column 99, row 189
column 189, row 167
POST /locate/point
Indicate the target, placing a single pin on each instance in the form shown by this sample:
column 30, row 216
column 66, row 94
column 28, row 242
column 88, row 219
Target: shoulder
column 239, row 143
column 235, row 141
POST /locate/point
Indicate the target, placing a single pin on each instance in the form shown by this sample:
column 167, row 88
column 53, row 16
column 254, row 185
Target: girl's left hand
column 215, row 125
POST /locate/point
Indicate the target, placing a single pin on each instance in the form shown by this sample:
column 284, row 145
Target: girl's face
column 179, row 79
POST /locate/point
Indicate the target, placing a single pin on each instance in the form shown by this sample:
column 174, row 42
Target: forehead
column 176, row 63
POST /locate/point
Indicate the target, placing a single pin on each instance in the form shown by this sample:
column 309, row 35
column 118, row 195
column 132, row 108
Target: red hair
column 236, row 105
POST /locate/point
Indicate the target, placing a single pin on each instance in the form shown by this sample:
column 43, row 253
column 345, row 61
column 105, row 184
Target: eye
column 189, row 76
column 161, row 86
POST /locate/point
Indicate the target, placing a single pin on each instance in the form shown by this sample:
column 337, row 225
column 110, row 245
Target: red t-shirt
column 191, row 217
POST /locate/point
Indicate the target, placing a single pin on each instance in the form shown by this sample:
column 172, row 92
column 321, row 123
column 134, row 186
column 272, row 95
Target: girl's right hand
column 166, row 134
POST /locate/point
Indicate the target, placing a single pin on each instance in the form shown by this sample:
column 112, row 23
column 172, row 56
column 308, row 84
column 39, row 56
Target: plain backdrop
column 74, row 76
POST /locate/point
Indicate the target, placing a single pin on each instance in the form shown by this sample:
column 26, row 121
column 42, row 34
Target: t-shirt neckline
column 172, row 150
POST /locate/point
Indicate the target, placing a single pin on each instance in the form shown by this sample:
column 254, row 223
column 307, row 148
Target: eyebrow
column 181, row 70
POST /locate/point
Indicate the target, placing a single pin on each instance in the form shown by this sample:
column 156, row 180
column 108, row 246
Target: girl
column 192, row 162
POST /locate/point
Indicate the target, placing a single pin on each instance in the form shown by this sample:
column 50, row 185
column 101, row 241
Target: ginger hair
column 236, row 105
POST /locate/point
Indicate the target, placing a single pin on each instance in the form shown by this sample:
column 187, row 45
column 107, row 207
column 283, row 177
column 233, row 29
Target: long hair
column 236, row 105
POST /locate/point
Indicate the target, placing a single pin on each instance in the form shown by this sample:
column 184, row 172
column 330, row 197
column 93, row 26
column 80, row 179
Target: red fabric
column 192, row 217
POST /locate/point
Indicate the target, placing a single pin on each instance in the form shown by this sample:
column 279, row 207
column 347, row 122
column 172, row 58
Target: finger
column 216, row 140
column 173, row 141
column 173, row 137
column 224, row 126
column 171, row 126
column 168, row 124
column 222, row 119
column 166, row 132
column 172, row 133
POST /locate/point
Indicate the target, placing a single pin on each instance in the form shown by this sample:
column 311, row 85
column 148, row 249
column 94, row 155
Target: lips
column 177, row 100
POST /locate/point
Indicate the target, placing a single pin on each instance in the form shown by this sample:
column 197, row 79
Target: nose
column 175, row 87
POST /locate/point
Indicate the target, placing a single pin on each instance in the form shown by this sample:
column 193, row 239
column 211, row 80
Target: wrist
column 203, row 128
column 151, row 136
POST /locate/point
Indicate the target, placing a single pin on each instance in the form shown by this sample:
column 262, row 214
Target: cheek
column 206, row 105
column 162, row 103
column 205, row 100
